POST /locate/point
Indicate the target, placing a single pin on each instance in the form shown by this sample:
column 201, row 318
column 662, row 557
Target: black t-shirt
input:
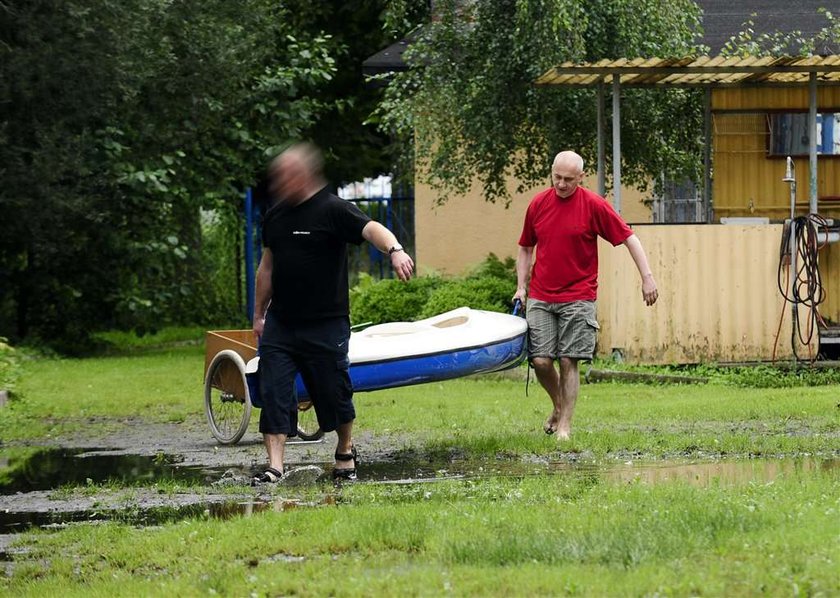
column 309, row 245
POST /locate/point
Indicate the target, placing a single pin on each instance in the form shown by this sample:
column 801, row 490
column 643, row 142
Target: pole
column 707, row 156
column 602, row 143
column 616, row 134
column 790, row 178
column 812, row 143
column 250, row 278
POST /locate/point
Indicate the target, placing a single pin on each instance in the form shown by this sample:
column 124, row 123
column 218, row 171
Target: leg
column 325, row 372
column 278, row 417
column 542, row 350
column 344, row 446
column 550, row 380
column 275, row 446
column 578, row 328
column 569, row 386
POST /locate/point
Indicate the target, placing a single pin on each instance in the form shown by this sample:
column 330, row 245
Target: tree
column 354, row 148
column 121, row 123
column 468, row 107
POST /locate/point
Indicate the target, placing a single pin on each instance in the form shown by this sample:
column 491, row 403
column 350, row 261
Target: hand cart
column 227, row 400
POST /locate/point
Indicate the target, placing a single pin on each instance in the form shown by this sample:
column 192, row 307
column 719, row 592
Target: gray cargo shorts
column 561, row 329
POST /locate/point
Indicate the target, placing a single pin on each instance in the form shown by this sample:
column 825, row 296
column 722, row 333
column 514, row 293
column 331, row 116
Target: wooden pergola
column 706, row 72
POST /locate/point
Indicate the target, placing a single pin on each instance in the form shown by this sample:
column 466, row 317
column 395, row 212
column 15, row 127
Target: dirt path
column 187, row 445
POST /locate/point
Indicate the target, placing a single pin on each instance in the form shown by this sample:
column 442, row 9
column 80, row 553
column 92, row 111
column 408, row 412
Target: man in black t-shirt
column 301, row 312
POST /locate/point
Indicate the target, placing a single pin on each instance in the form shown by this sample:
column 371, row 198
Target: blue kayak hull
column 421, row 369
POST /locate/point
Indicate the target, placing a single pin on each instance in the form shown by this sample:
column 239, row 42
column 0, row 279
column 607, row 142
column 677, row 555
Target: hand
column 649, row 291
column 403, row 264
column 259, row 326
column 521, row 295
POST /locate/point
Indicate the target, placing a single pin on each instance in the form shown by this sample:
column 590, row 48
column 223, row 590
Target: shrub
column 390, row 300
column 489, row 286
column 10, row 365
column 485, row 292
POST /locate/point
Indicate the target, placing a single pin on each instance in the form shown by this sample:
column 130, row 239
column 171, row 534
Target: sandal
column 269, row 476
column 348, row 473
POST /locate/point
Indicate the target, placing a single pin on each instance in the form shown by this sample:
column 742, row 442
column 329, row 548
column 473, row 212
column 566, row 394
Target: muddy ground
column 187, row 445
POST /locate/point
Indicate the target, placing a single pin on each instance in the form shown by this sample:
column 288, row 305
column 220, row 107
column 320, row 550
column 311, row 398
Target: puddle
column 719, row 472
column 703, row 474
column 12, row 522
column 45, row 472
column 50, row 469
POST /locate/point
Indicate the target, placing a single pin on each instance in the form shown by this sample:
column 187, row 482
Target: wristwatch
column 395, row 248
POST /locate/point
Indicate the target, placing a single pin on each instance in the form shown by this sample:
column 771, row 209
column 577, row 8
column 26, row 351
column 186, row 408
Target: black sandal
column 269, row 476
column 349, row 473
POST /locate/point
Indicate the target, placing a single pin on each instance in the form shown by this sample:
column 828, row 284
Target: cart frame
column 227, row 398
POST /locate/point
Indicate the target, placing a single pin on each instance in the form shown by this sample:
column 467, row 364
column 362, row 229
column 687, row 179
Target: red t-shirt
column 565, row 233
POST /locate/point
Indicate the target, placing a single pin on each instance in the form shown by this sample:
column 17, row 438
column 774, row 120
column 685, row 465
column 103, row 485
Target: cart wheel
column 308, row 428
column 226, row 399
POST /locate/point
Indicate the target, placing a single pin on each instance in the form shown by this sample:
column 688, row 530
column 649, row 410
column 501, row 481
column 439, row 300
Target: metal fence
column 396, row 214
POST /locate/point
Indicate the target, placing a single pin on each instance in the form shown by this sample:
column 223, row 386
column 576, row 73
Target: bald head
column 566, row 173
column 297, row 173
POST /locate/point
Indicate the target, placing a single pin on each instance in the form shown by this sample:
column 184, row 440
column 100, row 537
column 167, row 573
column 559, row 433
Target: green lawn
column 547, row 532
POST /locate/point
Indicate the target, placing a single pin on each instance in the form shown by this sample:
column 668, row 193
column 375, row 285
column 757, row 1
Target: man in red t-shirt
column 564, row 224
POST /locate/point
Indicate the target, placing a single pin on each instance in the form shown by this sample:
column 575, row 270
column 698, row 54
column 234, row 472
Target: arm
column 523, row 272
column 649, row 291
column 383, row 239
column 263, row 292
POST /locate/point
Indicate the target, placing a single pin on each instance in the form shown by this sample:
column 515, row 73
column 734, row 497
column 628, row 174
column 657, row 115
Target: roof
column 705, row 71
column 724, row 18
column 721, row 20
column 390, row 59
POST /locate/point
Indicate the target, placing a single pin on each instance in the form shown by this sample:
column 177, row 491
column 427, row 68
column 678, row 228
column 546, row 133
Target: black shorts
column 317, row 349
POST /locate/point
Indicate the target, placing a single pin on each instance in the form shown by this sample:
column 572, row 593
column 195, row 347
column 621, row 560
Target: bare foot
column 550, row 425
column 563, row 434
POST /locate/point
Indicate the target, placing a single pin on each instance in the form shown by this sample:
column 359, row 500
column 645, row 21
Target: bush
column 489, row 286
column 10, row 365
column 486, row 292
column 390, row 300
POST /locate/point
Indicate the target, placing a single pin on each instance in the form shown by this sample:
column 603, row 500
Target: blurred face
column 289, row 178
column 565, row 177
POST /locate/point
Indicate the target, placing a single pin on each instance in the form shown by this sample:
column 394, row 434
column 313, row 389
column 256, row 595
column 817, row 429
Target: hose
column 807, row 288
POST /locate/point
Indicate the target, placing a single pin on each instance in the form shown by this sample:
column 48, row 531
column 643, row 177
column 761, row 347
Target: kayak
column 456, row 343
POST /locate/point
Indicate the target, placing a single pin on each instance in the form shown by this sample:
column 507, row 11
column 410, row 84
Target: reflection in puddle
column 718, row 472
column 702, row 474
column 53, row 468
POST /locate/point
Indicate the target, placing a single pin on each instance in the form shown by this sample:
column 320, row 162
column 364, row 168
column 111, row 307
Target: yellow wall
column 718, row 297
column 746, row 181
column 459, row 234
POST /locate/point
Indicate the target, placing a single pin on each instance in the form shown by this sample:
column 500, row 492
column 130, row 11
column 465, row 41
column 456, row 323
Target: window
column 789, row 134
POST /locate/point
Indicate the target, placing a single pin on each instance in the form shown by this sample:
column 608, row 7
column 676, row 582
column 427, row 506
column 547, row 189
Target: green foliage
column 390, row 300
column 470, row 105
column 121, row 124
column 784, row 43
column 10, row 366
column 489, row 286
column 745, row 376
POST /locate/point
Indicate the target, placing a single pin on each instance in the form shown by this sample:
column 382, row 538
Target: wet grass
column 548, row 535
column 476, row 417
column 537, row 534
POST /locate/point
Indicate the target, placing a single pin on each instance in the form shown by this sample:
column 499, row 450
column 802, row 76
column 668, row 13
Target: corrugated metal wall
column 719, row 298
column 749, row 183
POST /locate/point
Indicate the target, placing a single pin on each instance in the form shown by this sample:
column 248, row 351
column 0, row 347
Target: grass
column 491, row 534
column 544, row 535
